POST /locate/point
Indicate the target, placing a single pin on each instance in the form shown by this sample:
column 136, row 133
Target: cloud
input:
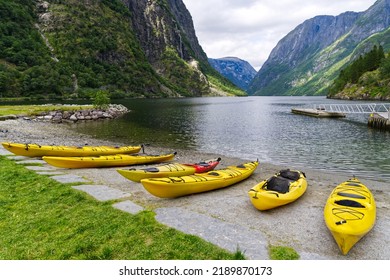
column 250, row 29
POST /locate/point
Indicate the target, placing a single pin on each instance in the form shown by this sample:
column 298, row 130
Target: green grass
column 283, row 253
column 36, row 109
column 41, row 219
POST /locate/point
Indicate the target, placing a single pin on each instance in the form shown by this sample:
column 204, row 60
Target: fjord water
column 254, row 128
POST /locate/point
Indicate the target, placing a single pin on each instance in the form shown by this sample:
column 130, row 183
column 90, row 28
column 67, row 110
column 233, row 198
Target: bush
column 101, row 100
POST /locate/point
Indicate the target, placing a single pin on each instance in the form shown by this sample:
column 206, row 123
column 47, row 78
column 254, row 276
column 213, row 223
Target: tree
column 352, row 73
column 384, row 69
column 101, row 100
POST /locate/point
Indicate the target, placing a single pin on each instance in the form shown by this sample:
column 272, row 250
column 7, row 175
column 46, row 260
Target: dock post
column 379, row 121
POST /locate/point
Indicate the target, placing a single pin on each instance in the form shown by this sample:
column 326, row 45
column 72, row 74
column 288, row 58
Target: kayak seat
column 349, row 203
column 151, row 169
column 291, row 175
column 278, row 184
column 352, row 195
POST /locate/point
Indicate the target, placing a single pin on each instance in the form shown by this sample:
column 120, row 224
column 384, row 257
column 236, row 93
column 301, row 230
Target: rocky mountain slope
column 130, row 48
column 306, row 61
column 238, row 71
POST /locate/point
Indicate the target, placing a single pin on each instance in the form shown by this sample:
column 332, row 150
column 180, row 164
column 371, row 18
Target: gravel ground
column 299, row 225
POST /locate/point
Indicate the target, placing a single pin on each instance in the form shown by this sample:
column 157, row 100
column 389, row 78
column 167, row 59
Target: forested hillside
column 368, row 78
column 70, row 48
column 84, row 54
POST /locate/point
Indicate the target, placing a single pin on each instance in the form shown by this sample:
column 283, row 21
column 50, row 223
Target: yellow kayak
column 35, row 150
column 281, row 189
column 350, row 213
column 105, row 161
column 169, row 170
column 171, row 187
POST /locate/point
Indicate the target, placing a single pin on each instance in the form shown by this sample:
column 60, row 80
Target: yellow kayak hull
column 350, row 213
column 106, row 161
column 168, row 170
column 172, row 187
column 265, row 199
column 35, row 150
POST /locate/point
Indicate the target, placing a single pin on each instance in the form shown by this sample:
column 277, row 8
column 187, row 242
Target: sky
column 250, row 29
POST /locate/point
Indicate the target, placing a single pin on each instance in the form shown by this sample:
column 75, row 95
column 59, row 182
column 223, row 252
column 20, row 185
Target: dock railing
column 355, row 108
column 379, row 114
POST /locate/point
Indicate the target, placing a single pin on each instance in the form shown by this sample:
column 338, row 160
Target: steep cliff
column 161, row 28
column 306, row 60
column 127, row 47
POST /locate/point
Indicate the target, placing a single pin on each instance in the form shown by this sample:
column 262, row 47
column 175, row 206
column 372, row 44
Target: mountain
column 309, row 58
column 238, row 71
column 130, row 48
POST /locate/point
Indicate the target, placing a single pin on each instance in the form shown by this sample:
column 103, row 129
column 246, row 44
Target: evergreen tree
column 384, row 69
column 352, row 73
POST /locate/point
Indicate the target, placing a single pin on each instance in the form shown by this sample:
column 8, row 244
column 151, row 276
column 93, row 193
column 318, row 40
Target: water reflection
column 253, row 127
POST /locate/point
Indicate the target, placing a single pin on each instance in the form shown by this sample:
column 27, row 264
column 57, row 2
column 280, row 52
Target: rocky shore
column 58, row 116
column 299, row 225
column 72, row 116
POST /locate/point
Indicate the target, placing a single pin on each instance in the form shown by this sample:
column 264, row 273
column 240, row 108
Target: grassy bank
column 41, row 219
column 28, row 110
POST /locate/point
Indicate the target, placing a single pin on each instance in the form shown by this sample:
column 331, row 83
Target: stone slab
column 69, row 178
column 31, row 161
column 40, row 168
column 50, row 173
column 102, row 193
column 4, row 152
column 128, row 206
column 229, row 236
column 17, row 158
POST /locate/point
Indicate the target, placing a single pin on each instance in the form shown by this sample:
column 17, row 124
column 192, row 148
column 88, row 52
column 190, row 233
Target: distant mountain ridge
column 238, row 71
column 306, row 60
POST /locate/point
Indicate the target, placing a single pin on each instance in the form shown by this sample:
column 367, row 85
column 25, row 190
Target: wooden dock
column 379, row 114
column 317, row 113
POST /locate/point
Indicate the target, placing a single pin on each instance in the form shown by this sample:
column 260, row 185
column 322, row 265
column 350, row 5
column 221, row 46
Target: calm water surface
column 254, row 128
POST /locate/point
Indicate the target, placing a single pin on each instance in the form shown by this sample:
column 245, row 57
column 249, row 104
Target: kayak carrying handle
column 272, row 192
column 252, row 190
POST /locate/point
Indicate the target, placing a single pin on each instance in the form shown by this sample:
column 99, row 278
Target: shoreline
column 299, row 225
